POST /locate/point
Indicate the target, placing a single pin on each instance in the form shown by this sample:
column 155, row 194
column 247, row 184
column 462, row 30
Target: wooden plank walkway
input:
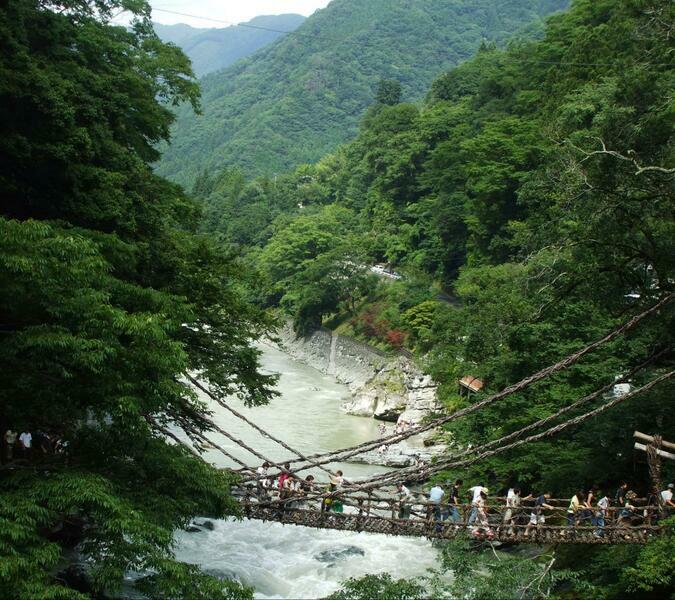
column 546, row 534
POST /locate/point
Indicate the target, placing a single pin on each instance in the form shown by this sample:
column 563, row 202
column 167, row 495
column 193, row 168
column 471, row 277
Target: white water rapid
column 286, row 561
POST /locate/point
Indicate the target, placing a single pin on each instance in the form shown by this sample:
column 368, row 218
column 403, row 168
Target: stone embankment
column 387, row 388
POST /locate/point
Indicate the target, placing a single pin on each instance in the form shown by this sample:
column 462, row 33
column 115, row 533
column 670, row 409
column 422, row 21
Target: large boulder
column 338, row 553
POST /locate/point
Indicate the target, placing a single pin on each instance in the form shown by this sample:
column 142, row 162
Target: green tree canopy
column 107, row 295
column 388, row 92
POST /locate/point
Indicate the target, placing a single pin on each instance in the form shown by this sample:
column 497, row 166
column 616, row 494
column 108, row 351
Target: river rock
column 222, row 574
column 384, row 387
column 197, row 526
column 400, row 455
column 340, row 553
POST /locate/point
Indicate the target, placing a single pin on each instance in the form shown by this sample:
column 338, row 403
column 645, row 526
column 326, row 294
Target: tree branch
column 640, row 169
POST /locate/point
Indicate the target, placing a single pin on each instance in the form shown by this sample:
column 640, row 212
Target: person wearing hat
column 475, row 493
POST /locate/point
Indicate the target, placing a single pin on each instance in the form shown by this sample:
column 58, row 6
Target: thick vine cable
column 427, row 472
column 347, row 452
column 196, row 434
column 249, row 422
column 570, row 422
column 344, row 453
column 543, row 421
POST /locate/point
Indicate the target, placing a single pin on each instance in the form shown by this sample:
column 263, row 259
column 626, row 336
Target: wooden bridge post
column 654, row 454
column 654, row 463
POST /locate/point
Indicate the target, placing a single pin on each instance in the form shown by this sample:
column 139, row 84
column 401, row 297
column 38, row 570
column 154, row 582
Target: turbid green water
column 289, row 561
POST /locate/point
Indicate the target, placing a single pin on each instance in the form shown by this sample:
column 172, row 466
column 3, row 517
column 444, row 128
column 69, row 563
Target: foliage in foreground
column 468, row 573
column 484, row 574
column 374, row 587
column 472, row 573
column 107, row 295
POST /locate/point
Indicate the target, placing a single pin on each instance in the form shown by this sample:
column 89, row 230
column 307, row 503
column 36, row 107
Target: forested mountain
column 297, row 99
column 535, row 185
column 213, row 49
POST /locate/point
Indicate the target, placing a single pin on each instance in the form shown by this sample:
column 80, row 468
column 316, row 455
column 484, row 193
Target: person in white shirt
column 476, row 492
column 26, row 440
column 600, row 515
column 404, row 496
column 513, row 499
column 264, row 481
column 339, row 479
column 667, row 496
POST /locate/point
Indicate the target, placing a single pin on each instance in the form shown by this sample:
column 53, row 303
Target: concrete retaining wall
column 387, row 388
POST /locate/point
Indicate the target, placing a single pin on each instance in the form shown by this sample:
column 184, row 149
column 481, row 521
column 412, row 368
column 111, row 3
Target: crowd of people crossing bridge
column 471, row 509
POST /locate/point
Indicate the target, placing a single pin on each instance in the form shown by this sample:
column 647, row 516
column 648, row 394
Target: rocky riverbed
column 386, row 388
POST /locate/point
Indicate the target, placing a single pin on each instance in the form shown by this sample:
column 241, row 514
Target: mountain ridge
column 303, row 95
column 212, row 49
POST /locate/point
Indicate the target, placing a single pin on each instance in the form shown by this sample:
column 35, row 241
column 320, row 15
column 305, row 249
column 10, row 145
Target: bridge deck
column 545, row 534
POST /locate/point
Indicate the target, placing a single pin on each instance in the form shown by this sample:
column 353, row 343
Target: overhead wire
column 335, row 39
column 220, row 21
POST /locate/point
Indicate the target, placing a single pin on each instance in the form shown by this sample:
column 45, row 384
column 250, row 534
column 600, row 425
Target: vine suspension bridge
column 369, row 505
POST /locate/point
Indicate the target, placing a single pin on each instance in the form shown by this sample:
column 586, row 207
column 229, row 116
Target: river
column 287, row 561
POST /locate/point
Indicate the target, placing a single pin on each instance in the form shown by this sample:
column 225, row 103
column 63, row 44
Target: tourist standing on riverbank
column 9, row 440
